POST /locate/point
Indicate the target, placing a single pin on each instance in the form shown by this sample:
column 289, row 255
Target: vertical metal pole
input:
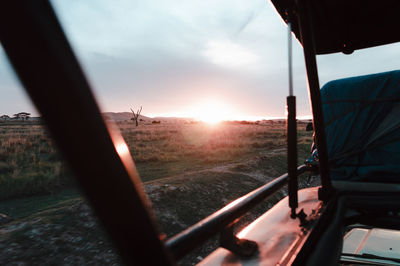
column 290, row 58
column 291, row 132
column 307, row 40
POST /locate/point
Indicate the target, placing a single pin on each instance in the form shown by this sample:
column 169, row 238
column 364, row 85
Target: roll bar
column 190, row 238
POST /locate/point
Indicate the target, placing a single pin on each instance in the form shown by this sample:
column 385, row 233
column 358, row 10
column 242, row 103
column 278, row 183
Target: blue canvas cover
column 362, row 121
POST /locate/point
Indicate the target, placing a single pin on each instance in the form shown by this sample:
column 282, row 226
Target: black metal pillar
column 306, row 32
column 292, row 154
column 291, row 128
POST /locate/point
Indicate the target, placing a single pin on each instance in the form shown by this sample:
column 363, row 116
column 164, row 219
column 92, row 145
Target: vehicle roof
column 348, row 25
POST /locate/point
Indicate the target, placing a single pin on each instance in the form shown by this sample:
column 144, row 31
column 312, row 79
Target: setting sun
column 212, row 112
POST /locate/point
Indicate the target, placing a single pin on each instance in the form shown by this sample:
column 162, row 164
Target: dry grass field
column 189, row 171
column 29, row 162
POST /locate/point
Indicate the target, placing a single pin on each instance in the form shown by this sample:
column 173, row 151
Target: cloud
column 246, row 22
column 229, row 54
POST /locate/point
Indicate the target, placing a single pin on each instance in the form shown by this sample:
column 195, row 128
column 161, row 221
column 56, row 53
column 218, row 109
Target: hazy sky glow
column 178, row 57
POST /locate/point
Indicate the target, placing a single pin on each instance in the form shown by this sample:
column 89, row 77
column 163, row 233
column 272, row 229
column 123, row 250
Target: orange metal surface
column 277, row 235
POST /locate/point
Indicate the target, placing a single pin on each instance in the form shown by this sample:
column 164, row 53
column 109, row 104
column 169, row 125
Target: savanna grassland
column 189, row 170
column 29, row 162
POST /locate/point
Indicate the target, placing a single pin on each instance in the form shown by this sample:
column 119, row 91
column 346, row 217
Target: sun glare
column 212, row 112
column 122, row 149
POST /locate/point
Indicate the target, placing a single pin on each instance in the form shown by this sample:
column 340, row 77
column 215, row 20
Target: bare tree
column 136, row 115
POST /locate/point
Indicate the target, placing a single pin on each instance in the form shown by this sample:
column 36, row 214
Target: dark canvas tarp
column 362, row 120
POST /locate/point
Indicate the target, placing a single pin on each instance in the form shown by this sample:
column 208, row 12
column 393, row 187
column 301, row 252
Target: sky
column 181, row 58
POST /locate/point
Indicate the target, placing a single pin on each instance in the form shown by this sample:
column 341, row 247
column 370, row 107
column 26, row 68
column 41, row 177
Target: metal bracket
column 301, row 215
column 231, row 242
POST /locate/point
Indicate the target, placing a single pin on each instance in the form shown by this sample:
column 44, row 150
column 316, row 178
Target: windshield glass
column 44, row 218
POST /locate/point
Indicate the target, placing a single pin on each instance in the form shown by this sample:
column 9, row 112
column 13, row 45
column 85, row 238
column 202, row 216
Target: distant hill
column 126, row 116
column 122, row 116
column 173, row 119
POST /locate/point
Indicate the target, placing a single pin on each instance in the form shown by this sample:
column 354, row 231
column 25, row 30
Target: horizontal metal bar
column 187, row 240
